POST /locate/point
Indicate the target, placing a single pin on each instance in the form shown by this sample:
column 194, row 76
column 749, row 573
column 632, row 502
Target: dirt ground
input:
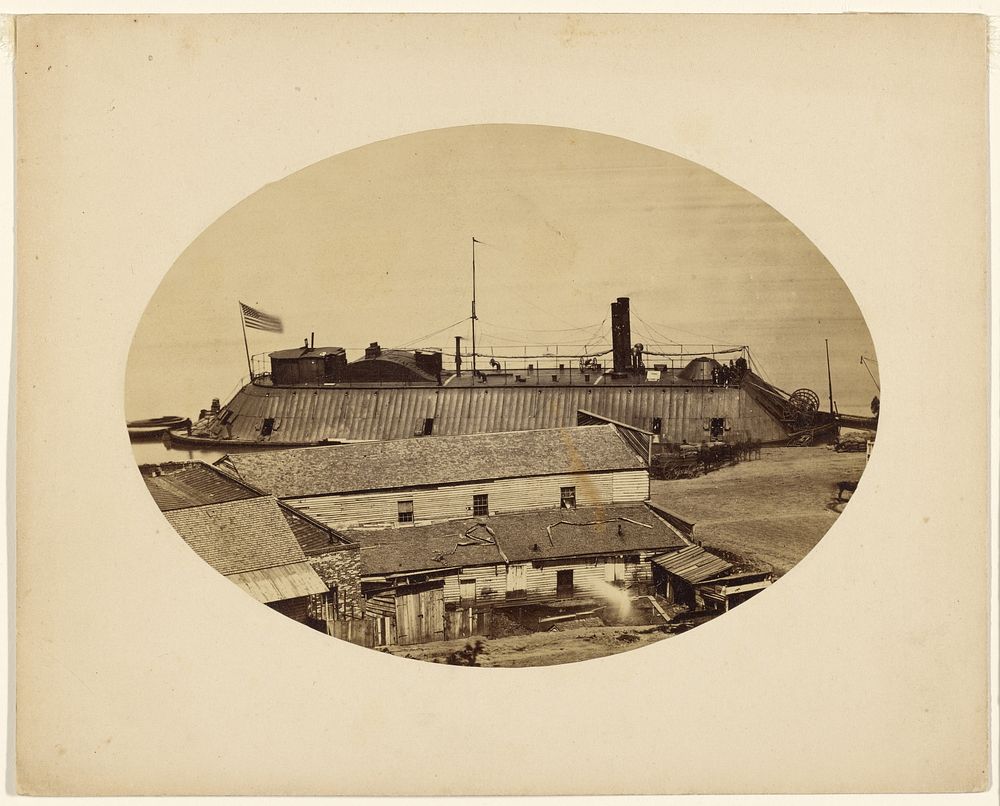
column 771, row 511
column 541, row 648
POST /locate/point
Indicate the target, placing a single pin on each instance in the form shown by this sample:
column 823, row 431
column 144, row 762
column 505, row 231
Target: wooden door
column 467, row 590
column 517, row 581
column 420, row 614
column 564, row 582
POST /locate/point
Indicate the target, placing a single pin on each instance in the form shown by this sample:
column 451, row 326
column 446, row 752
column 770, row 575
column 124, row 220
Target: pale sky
column 374, row 244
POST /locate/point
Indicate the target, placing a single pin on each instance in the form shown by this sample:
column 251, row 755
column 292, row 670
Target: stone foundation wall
column 342, row 569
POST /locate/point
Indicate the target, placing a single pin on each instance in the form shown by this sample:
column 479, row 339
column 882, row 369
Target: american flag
column 258, row 320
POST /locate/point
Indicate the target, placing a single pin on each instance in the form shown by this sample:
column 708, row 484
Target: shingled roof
column 425, row 461
column 313, row 537
column 551, row 534
column 693, row 564
column 587, row 531
column 176, row 485
column 452, row 544
column 251, row 543
column 238, row 536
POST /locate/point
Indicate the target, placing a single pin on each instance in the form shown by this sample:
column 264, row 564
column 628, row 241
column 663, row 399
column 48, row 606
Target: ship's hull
column 154, row 428
column 266, row 415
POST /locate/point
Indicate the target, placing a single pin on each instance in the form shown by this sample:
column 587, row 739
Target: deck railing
column 565, row 365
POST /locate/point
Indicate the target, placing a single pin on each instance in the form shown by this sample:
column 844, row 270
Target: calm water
column 149, row 453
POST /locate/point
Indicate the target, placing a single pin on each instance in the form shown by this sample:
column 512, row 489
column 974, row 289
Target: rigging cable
column 436, row 332
column 543, row 355
column 865, row 362
column 675, row 329
column 653, row 330
column 539, row 330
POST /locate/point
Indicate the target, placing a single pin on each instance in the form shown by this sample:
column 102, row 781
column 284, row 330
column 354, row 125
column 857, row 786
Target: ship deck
column 544, row 376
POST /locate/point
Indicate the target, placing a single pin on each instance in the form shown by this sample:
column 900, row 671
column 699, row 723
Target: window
column 267, row 427
column 657, row 425
column 405, row 510
column 480, row 504
column 567, row 498
column 717, row 427
column 564, row 582
column 467, row 589
column 428, row 426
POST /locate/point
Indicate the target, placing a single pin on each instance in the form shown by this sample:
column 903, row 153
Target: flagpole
column 246, row 346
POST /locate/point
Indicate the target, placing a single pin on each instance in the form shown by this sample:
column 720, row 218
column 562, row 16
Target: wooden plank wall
column 541, row 582
column 382, row 604
column 360, row 631
column 491, row 583
column 491, row 580
column 465, row 622
column 627, row 487
column 297, row 608
column 455, row 500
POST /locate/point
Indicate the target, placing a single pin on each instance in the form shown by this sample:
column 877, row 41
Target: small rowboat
column 154, row 428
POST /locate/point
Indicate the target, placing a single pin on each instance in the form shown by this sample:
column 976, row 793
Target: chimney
column 373, row 350
column 621, row 335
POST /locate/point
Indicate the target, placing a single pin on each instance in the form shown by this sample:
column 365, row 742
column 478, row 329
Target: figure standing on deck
column 637, row 357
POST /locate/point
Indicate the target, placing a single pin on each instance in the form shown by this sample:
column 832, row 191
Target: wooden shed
column 677, row 575
column 724, row 593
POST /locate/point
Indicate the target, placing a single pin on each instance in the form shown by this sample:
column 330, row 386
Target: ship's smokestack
column 621, row 335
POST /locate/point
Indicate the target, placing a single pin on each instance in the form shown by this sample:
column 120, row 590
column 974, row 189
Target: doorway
column 564, row 582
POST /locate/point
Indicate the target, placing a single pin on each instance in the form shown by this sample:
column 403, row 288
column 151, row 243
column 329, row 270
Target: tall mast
column 474, row 242
column 829, row 377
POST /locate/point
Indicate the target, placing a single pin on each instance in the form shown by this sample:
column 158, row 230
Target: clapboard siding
column 455, row 500
column 627, row 487
column 588, row 575
column 491, row 583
